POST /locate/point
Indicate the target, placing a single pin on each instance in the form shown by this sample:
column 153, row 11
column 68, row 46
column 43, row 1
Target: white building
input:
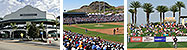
column 21, row 17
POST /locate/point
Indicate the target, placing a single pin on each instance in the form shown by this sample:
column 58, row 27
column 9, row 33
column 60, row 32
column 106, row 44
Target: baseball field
column 103, row 30
column 155, row 46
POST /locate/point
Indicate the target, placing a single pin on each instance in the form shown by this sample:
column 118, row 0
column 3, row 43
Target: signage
column 148, row 39
column 136, row 39
column 180, row 39
column 160, row 39
column 169, row 39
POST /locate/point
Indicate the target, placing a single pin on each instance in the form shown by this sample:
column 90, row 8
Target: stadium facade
column 24, row 16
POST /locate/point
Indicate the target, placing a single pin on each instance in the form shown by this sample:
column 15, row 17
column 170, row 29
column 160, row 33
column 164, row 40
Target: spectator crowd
column 163, row 29
column 76, row 41
column 94, row 19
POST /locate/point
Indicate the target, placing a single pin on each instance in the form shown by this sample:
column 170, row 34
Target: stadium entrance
column 17, row 24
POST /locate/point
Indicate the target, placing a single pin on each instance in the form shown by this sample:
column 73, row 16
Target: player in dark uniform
column 114, row 31
column 175, row 41
column 86, row 30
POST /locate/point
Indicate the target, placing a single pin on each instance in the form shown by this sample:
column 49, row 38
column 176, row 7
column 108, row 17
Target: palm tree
column 42, row 27
column 132, row 12
column 33, row 31
column 135, row 5
column 179, row 5
column 165, row 9
column 159, row 9
column 27, row 28
column 13, row 25
column 56, row 23
column 148, row 8
column 174, row 9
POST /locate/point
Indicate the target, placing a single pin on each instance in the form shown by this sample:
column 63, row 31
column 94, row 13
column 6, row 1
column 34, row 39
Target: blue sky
column 154, row 17
column 8, row 6
column 76, row 4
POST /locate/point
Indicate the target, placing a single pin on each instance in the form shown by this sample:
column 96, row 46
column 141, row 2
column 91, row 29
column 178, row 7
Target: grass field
column 115, row 38
column 155, row 44
column 100, row 26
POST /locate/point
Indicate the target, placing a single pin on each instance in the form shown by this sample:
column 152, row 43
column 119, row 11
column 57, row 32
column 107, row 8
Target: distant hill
column 93, row 7
column 122, row 7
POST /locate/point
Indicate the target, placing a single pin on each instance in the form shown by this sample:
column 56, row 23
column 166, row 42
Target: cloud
column 8, row 6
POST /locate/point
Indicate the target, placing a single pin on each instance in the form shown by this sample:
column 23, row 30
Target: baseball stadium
column 95, row 26
column 156, row 25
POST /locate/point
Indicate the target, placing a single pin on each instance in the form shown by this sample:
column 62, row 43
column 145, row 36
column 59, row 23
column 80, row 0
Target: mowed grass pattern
column 155, row 44
column 115, row 38
column 103, row 26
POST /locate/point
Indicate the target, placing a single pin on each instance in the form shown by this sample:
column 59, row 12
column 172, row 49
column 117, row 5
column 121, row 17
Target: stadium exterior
column 24, row 16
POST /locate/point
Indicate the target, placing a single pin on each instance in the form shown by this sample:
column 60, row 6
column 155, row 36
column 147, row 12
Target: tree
column 33, row 31
column 160, row 9
column 180, row 5
column 165, row 9
column 107, row 9
column 112, row 9
column 56, row 24
column 174, row 9
column 42, row 27
column 135, row 5
column 27, row 28
column 13, row 25
column 148, row 8
column 132, row 12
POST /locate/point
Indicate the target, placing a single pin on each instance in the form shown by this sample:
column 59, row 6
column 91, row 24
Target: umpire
column 175, row 41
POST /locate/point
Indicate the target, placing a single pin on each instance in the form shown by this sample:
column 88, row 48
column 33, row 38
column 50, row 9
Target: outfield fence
column 157, row 39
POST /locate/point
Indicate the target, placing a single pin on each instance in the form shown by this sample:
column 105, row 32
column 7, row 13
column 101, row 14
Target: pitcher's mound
column 98, row 25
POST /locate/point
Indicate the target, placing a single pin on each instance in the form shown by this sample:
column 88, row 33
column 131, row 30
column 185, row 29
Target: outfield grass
column 116, row 38
column 103, row 26
column 155, row 44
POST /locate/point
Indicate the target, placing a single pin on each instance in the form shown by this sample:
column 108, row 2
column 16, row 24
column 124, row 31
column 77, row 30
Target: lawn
column 116, row 38
column 155, row 44
column 99, row 26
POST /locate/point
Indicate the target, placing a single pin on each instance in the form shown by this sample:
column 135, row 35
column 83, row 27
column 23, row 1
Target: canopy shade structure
column 170, row 19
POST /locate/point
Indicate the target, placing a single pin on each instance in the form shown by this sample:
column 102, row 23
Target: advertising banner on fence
column 169, row 39
column 148, row 39
column 160, row 39
column 136, row 39
column 180, row 39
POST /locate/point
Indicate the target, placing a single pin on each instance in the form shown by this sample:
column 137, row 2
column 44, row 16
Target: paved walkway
column 26, row 45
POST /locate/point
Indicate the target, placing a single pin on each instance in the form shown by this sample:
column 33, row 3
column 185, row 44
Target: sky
column 155, row 17
column 8, row 6
column 76, row 4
